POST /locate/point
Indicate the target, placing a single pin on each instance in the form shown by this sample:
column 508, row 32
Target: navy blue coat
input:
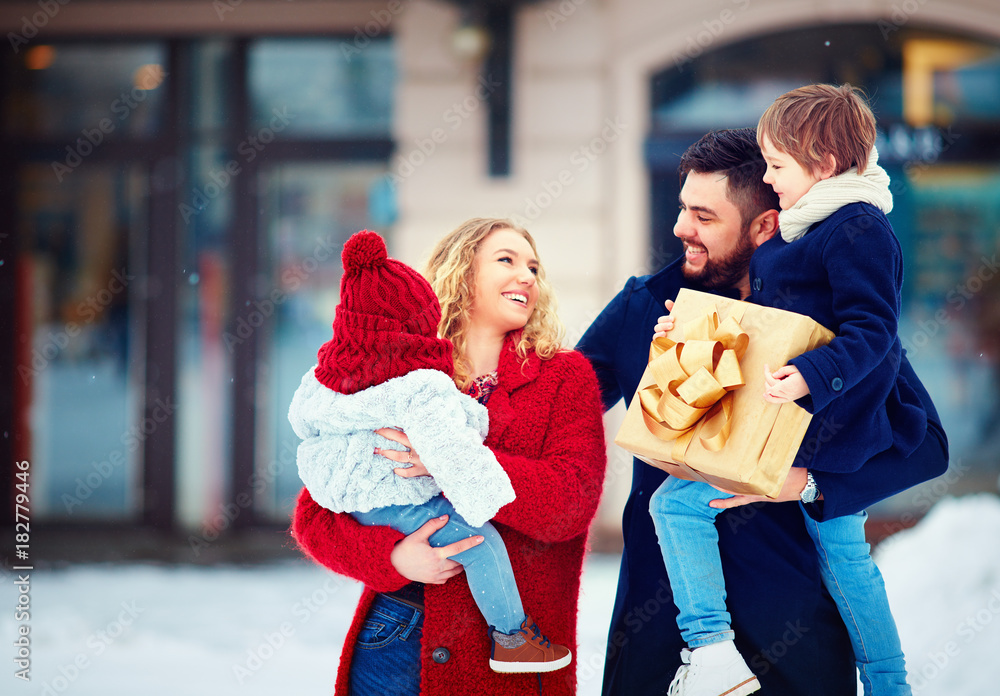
column 846, row 273
column 787, row 626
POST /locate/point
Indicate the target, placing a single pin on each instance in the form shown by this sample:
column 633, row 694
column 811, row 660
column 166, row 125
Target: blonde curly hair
column 451, row 272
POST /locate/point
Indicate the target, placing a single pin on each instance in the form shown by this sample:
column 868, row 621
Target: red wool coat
column 546, row 431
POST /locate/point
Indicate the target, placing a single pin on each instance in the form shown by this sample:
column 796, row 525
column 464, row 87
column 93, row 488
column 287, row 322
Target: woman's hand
column 410, row 456
column 664, row 323
column 416, row 560
column 784, row 385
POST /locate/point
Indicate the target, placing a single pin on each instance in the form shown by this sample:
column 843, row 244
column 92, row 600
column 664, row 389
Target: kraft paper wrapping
column 740, row 442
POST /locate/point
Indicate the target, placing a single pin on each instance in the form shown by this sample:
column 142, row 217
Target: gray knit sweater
column 338, row 465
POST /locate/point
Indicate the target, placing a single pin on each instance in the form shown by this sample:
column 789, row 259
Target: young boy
column 837, row 261
column 385, row 367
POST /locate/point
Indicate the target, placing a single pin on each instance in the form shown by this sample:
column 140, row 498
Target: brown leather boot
column 535, row 654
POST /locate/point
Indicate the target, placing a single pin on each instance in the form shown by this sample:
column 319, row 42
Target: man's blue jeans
column 685, row 526
column 487, row 566
column 386, row 659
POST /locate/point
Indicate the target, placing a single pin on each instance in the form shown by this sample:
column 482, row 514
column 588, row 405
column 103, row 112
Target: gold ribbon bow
column 694, row 381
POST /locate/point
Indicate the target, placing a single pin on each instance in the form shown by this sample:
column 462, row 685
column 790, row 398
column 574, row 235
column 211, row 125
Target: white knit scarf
column 829, row 195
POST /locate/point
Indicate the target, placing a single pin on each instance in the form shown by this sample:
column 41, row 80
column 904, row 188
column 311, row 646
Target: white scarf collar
column 829, row 195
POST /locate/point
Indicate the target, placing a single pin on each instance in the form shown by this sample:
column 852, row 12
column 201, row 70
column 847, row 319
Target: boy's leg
column 856, row 585
column 685, row 527
column 487, row 566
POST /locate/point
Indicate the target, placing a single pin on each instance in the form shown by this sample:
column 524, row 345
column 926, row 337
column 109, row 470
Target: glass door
column 80, row 365
column 308, row 210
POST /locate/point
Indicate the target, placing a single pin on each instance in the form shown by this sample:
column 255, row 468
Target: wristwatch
column 810, row 493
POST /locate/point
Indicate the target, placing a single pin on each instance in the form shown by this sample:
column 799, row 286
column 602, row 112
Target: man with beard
column 787, row 625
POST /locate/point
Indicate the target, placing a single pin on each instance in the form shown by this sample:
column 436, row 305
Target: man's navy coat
column 787, row 626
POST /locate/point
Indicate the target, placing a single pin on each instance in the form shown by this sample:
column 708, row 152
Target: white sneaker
column 713, row 670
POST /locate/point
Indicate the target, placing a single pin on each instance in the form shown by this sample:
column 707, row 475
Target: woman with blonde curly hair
column 417, row 629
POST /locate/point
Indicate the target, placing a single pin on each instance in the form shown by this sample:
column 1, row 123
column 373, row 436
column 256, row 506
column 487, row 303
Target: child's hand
column 784, row 385
column 664, row 323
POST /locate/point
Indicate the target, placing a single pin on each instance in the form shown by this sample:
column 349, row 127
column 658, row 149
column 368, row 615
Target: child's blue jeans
column 487, row 566
column 685, row 526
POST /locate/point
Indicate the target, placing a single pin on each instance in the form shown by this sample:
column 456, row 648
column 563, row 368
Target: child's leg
column 856, row 585
column 685, row 526
column 487, row 566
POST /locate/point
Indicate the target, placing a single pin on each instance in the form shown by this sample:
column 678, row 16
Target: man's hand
column 791, row 490
column 784, row 385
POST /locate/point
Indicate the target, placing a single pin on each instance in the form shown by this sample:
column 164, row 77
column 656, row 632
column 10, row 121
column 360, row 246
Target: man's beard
column 727, row 272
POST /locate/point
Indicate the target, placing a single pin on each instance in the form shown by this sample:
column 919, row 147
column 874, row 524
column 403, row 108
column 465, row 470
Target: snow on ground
column 943, row 581
column 158, row 630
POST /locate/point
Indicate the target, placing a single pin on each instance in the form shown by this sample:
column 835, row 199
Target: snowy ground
column 155, row 630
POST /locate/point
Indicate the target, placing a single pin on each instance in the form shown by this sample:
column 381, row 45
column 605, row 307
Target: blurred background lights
column 148, row 77
column 39, row 57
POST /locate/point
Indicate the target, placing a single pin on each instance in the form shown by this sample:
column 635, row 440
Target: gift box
column 700, row 403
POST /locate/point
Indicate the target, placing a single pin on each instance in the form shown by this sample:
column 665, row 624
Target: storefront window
column 66, row 89
column 309, row 211
column 80, row 361
column 325, row 87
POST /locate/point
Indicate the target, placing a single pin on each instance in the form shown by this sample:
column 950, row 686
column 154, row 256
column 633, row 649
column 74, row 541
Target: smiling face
column 717, row 247
column 789, row 179
column 506, row 290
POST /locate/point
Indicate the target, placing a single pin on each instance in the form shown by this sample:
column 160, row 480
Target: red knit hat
column 386, row 322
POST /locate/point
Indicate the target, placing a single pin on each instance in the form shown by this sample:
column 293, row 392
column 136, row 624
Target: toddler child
column 386, row 367
column 837, row 261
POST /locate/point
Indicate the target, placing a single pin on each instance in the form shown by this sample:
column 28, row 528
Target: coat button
column 440, row 655
column 837, row 384
column 757, row 284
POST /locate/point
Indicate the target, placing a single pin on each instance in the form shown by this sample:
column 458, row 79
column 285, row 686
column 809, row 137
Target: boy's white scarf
column 829, row 195
column 338, row 465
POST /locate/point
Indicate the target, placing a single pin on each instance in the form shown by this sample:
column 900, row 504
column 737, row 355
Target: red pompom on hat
column 386, row 322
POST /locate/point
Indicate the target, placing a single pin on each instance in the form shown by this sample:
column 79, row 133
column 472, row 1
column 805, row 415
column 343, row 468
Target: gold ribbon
column 694, row 381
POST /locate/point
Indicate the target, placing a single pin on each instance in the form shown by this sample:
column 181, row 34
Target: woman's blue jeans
column 386, row 659
column 685, row 526
column 487, row 566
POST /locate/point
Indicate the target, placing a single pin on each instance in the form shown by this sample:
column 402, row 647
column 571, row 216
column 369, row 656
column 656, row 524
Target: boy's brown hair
column 814, row 121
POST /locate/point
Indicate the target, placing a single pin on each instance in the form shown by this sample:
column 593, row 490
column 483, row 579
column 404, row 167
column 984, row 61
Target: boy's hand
column 664, row 323
column 784, row 385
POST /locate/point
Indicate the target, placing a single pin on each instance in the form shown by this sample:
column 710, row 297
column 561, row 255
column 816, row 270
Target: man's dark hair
column 735, row 154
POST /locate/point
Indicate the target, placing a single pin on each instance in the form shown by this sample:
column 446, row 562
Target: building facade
column 181, row 177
